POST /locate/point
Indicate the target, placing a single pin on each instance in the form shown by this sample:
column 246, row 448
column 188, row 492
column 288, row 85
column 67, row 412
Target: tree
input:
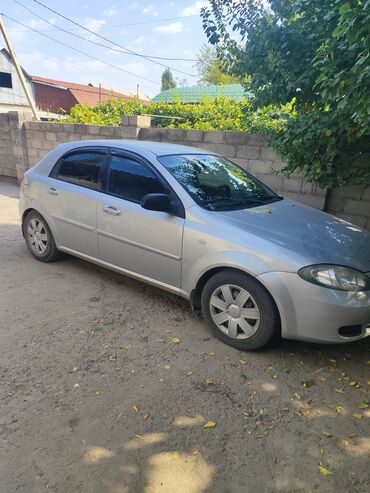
column 168, row 82
column 315, row 53
column 209, row 68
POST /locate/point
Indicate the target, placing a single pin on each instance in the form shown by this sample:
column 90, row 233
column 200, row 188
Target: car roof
column 157, row 148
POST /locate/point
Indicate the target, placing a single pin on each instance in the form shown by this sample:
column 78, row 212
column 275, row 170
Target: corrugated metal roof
column 195, row 94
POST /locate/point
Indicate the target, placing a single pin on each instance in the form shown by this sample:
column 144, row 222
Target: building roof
column 83, row 93
column 195, row 94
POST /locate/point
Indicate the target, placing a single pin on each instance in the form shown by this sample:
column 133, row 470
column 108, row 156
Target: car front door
column 137, row 240
column 71, row 197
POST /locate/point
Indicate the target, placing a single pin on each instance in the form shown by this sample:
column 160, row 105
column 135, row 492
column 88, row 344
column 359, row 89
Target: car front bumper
column 313, row 313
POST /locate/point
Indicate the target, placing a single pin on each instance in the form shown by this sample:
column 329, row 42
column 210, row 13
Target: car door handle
column 113, row 211
column 52, row 191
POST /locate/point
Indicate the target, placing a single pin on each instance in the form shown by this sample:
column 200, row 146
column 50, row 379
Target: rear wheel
column 239, row 310
column 39, row 238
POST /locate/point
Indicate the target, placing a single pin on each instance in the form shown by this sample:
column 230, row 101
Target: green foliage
column 221, row 114
column 209, row 68
column 168, row 82
column 316, row 53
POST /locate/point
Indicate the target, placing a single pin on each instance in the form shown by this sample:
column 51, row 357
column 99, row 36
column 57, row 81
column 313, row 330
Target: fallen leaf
column 136, row 409
column 189, row 373
column 167, row 367
column 195, row 452
column 357, row 416
column 334, row 361
column 208, row 381
column 326, row 434
column 72, row 369
column 212, row 354
column 285, row 370
column 325, row 471
column 139, row 437
column 124, row 346
column 340, row 391
column 363, row 405
column 210, row 424
column 353, row 384
column 274, row 376
column 175, row 340
column 339, row 409
column 176, row 456
column 146, row 416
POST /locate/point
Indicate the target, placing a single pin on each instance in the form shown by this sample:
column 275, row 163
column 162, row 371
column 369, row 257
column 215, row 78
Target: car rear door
column 71, row 197
column 140, row 241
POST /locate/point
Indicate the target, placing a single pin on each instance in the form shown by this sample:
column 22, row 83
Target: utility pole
column 18, row 69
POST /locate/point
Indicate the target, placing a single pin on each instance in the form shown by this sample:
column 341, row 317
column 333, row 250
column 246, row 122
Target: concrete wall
column 23, row 142
column 352, row 204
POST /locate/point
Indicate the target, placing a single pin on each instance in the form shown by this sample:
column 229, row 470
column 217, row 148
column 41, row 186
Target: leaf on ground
column 340, row 391
column 339, row 409
column 195, row 452
column 175, row 340
column 210, row 424
column 139, row 437
column 136, row 409
column 124, row 346
column 354, row 383
column 208, row 381
column 326, row 434
column 167, row 367
column 72, row 369
column 285, row 370
column 176, row 456
column 189, row 373
column 363, row 405
column 357, row 416
column 212, row 354
column 325, row 471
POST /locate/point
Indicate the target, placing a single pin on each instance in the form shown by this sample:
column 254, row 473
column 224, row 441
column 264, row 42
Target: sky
column 170, row 29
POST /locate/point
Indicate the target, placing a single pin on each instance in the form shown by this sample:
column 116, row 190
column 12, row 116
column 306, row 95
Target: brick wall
column 24, row 142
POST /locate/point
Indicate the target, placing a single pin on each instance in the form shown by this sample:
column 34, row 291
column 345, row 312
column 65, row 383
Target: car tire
column 239, row 310
column 39, row 238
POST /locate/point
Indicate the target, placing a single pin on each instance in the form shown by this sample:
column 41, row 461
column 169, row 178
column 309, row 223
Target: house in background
column 50, row 96
column 55, row 95
column 195, row 94
column 12, row 96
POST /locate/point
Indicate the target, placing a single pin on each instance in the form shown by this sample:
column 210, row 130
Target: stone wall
column 24, row 142
column 350, row 203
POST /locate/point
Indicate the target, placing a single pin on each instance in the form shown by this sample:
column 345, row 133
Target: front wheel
column 239, row 310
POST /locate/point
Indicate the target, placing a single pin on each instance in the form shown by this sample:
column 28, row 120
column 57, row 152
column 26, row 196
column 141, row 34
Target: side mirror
column 157, row 202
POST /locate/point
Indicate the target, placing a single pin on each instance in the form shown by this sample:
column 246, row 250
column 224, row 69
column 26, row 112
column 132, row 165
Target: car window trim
column 103, row 150
column 178, row 208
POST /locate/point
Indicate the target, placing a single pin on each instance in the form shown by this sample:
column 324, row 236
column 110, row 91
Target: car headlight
column 336, row 277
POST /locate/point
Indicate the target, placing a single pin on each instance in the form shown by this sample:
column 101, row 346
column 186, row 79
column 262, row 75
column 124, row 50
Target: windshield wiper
column 248, row 201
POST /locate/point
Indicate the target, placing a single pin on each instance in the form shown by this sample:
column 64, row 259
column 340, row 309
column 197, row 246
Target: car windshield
column 217, row 184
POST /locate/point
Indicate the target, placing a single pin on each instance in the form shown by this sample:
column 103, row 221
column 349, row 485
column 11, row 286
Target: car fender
column 243, row 261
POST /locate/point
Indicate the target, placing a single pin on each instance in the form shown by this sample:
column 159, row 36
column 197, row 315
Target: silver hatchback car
column 192, row 222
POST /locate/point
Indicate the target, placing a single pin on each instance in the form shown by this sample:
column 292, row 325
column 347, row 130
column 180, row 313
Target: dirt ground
column 95, row 397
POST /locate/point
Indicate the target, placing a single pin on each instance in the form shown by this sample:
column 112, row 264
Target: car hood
column 316, row 236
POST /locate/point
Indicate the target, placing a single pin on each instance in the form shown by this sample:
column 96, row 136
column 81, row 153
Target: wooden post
column 18, row 69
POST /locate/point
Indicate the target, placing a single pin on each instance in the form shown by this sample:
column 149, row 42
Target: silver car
column 194, row 223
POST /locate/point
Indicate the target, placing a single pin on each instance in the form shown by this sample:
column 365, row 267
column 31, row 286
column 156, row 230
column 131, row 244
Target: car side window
column 131, row 180
column 81, row 168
